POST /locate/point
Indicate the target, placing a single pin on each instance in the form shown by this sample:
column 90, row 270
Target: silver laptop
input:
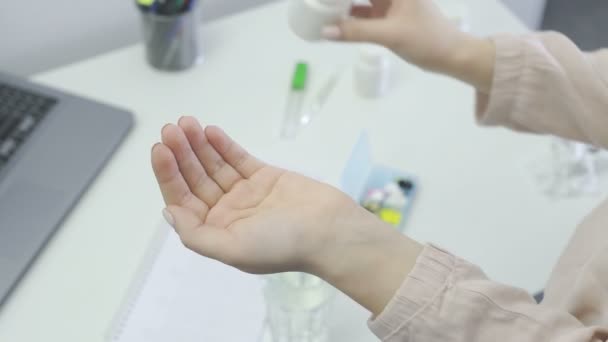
column 52, row 145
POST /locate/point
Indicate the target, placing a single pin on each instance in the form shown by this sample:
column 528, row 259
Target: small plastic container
column 307, row 18
column 379, row 192
column 374, row 186
column 373, row 72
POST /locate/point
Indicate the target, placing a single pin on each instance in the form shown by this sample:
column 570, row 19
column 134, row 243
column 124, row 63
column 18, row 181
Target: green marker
column 146, row 3
column 293, row 112
column 300, row 77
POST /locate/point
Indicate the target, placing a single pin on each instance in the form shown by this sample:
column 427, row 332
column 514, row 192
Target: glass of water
column 572, row 169
column 298, row 308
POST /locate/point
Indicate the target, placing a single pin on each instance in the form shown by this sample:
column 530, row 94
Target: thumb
column 212, row 242
column 360, row 30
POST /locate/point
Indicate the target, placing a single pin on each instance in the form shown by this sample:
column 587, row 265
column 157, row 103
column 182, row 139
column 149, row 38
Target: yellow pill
column 145, row 2
column 390, row 216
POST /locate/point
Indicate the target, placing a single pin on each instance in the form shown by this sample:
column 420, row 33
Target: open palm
column 232, row 207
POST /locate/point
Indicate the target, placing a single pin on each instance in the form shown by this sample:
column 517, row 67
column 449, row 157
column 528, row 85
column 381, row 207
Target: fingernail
column 168, row 217
column 162, row 130
column 331, row 32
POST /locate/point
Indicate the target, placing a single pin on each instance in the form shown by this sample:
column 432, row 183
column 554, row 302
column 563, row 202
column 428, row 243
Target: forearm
column 472, row 61
column 368, row 260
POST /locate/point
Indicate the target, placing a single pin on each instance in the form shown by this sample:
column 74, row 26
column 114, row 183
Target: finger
column 381, row 7
column 201, row 185
column 233, row 153
column 217, row 168
column 361, row 11
column 212, row 242
column 376, row 31
column 172, row 185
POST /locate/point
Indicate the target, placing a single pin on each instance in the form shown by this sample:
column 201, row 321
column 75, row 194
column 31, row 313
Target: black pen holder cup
column 171, row 41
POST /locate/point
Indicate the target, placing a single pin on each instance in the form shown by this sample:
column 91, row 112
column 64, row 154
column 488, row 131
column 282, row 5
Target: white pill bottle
column 373, row 71
column 307, row 18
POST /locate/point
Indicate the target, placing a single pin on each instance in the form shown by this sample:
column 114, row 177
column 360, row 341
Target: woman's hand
column 230, row 206
column 418, row 32
column 227, row 205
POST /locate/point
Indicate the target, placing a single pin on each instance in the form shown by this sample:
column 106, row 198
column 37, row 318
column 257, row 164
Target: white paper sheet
column 184, row 297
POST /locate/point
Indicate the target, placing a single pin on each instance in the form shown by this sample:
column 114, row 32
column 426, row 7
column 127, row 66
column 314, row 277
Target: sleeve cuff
column 496, row 108
column 429, row 279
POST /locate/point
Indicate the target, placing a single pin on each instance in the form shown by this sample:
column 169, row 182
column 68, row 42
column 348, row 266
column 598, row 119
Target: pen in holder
column 170, row 33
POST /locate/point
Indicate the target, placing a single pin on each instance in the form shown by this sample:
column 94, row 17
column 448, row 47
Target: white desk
column 475, row 199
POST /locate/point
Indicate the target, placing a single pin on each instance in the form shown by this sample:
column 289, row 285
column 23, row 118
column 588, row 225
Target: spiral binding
column 122, row 316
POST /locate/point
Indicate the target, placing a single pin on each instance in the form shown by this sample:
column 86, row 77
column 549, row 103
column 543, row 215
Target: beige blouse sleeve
column 543, row 84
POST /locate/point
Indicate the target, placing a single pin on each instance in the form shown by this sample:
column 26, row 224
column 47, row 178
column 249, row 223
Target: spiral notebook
column 177, row 296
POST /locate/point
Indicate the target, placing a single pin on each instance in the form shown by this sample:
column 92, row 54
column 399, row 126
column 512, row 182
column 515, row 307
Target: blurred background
column 41, row 35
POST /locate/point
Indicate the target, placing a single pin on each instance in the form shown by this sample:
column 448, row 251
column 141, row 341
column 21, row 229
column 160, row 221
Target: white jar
column 373, row 71
column 307, row 18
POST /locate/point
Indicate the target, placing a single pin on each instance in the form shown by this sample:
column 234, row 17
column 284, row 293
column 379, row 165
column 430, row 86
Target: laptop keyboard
column 20, row 112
